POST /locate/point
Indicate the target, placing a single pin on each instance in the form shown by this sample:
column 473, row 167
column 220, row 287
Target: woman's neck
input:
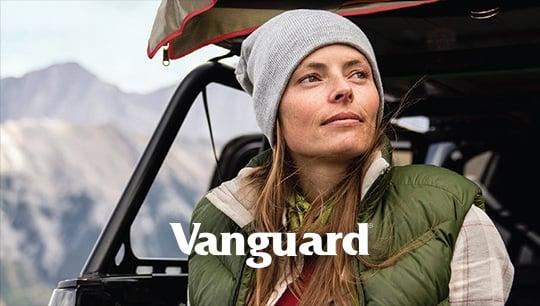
column 317, row 177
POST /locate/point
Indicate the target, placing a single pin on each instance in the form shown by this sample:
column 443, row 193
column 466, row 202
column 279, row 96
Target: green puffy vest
column 418, row 205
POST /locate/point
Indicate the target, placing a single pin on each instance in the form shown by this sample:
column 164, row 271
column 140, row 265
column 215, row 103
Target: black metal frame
column 117, row 229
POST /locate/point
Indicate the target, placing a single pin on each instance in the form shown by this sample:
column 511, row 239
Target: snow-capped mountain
column 71, row 93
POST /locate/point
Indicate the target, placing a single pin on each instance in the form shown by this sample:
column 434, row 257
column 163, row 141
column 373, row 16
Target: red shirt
column 288, row 298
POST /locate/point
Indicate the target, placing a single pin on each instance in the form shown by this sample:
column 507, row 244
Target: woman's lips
column 343, row 119
column 343, row 123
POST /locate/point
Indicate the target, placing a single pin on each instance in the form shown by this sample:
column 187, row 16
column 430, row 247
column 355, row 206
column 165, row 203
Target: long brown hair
column 334, row 277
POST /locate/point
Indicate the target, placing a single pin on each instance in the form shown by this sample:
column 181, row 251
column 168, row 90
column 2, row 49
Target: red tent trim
column 179, row 32
column 247, row 31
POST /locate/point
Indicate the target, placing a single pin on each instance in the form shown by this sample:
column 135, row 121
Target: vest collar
column 235, row 198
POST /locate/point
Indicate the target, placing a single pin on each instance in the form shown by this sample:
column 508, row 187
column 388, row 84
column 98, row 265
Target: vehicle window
column 402, row 154
column 475, row 167
column 507, row 201
column 186, row 172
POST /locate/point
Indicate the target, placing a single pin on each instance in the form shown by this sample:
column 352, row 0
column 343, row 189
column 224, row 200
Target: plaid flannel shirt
column 482, row 273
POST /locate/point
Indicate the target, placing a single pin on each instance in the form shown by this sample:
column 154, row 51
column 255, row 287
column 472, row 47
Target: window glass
column 475, row 167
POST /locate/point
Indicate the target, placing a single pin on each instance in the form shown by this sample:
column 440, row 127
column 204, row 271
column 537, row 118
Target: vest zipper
column 238, row 282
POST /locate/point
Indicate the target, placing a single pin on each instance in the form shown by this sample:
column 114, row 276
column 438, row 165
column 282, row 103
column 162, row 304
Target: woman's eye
column 309, row 79
column 360, row 74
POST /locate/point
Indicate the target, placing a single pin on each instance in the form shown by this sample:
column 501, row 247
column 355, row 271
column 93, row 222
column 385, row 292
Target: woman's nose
column 342, row 91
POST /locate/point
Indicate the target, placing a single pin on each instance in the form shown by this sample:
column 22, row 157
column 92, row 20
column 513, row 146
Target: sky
column 109, row 38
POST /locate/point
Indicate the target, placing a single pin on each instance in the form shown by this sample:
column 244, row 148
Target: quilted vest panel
column 415, row 210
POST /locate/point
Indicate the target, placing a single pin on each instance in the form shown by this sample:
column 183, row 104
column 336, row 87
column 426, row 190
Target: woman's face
column 329, row 107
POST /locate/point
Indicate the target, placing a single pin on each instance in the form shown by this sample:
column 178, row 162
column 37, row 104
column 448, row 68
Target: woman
column 318, row 97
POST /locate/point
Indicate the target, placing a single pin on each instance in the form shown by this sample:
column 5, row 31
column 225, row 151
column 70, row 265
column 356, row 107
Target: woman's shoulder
column 444, row 191
column 203, row 209
column 431, row 176
column 231, row 202
column 210, row 217
column 427, row 174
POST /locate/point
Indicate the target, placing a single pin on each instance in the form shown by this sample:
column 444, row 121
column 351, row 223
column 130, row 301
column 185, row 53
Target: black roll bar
column 119, row 223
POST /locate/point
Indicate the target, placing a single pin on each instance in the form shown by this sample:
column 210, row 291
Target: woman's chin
column 344, row 150
column 340, row 148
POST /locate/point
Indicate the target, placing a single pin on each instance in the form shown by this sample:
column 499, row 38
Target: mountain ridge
column 70, row 92
column 69, row 145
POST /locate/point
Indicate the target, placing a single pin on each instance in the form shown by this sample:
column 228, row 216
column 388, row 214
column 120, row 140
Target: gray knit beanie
column 271, row 53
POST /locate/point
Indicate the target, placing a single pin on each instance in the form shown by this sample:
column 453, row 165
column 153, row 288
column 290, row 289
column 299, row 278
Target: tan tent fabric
column 171, row 16
column 189, row 25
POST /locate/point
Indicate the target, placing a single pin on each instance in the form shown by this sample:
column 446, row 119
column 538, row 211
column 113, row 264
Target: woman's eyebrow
column 323, row 67
column 311, row 65
column 354, row 62
column 315, row 65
